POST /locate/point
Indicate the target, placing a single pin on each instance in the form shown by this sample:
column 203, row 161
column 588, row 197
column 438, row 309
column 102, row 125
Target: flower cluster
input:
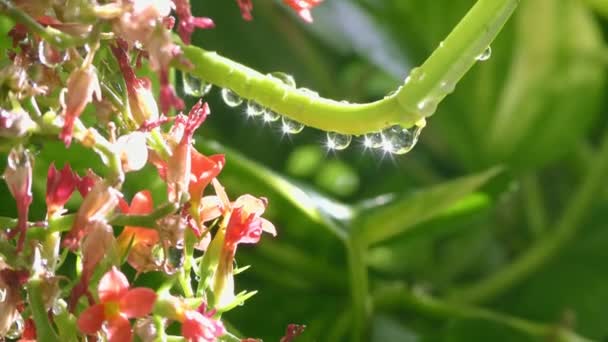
column 74, row 77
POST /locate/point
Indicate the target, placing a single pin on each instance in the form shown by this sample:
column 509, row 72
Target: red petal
column 119, row 330
column 137, row 302
column 141, row 203
column 91, row 319
column 113, row 285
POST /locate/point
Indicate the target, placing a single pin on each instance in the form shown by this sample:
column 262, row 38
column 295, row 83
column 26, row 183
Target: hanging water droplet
column 446, row 87
column 270, row 116
column 254, row 108
column 58, row 307
column 285, row 78
column 291, row 127
column 373, row 140
column 16, row 329
column 428, row 106
column 50, row 56
column 194, row 86
column 399, row 140
column 416, row 75
column 485, row 55
column 175, row 257
column 337, row 141
column 231, row 98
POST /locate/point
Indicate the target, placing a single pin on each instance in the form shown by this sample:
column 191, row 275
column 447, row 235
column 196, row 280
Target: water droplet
column 290, row 126
column 416, row 75
column 399, row 140
column 285, row 78
column 441, row 44
column 16, row 329
column 270, row 116
column 427, row 107
column 58, row 307
column 446, row 87
column 373, row 140
column 485, row 55
column 50, row 56
column 231, row 98
column 337, row 141
column 254, row 108
column 175, row 257
column 194, row 86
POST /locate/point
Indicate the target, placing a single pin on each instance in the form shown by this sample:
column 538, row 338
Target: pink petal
column 141, row 203
column 113, row 285
column 119, row 330
column 137, row 302
column 268, row 227
column 91, row 319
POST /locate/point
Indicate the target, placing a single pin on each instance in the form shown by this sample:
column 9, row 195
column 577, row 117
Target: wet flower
column 18, row 177
column 292, row 331
column 15, row 123
column 187, row 23
column 86, row 182
column 303, row 7
column 203, row 170
column 82, row 85
column 117, row 304
column 200, row 327
column 97, row 204
column 246, row 7
column 245, row 225
column 11, row 282
column 59, row 188
column 140, row 240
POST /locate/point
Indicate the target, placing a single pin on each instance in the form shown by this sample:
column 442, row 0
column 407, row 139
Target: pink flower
column 187, row 23
column 117, row 303
column 59, row 188
column 199, row 326
column 303, row 7
column 246, row 7
column 18, row 177
column 15, row 123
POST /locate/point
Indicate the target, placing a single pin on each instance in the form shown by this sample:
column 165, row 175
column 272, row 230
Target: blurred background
column 507, row 178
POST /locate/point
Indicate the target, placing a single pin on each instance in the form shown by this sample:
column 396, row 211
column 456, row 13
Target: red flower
column 245, row 224
column 292, row 331
column 199, row 326
column 303, row 7
column 140, row 254
column 117, row 303
column 59, row 187
column 203, row 170
column 18, row 177
column 187, row 22
column 246, row 7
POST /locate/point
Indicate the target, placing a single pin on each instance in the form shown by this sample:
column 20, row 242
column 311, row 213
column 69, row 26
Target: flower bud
column 18, row 177
column 59, row 188
column 82, row 86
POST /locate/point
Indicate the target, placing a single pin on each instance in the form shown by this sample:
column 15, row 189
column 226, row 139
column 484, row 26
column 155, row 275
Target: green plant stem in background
column 416, row 99
column 547, row 247
column 44, row 330
column 361, row 309
column 399, row 297
column 533, row 202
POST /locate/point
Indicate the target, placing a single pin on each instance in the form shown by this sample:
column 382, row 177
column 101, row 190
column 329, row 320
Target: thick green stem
column 415, row 100
column 547, row 247
column 44, row 330
column 399, row 297
column 533, row 202
column 361, row 308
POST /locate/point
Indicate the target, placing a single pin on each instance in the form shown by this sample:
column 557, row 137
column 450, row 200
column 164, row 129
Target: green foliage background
column 509, row 159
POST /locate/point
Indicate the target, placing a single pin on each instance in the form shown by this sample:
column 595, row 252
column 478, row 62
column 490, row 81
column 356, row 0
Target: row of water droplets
column 395, row 139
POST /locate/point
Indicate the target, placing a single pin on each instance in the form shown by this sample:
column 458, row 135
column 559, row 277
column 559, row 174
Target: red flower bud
column 82, row 86
column 187, row 23
column 246, row 7
column 18, row 177
column 59, row 188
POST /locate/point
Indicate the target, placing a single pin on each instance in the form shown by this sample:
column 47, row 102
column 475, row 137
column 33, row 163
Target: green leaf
column 400, row 216
column 553, row 91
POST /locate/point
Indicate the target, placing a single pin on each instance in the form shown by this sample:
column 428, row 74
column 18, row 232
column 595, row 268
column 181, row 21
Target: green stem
column 546, row 248
column 533, row 201
column 49, row 34
column 410, row 103
column 399, row 297
column 44, row 330
column 361, row 309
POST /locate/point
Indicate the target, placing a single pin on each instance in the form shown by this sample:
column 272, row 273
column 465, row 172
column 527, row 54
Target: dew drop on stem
column 373, row 140
column 231, row 99
column 485, row 55
column 399, row 140
column 16, row 329
column 288, row 80
column 254, row 108
column 337, row 141
column 290, row 126
column 270, row 116
column 50, row 56
column 194, row 86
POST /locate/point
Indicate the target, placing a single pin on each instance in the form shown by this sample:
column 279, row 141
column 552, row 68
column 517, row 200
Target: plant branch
column 545, row 249
column 361, row 308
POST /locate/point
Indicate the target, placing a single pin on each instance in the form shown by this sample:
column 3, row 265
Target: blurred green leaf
column 337, row 178
column 304, row 161
column 401, row 215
